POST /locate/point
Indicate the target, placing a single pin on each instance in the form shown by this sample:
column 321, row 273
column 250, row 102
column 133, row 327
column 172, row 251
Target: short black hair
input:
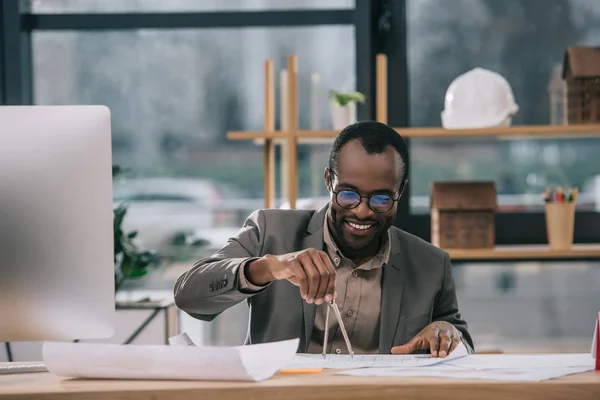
column 374, row 137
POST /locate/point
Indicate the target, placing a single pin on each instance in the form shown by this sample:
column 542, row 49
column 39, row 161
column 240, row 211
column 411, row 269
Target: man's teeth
column 361, row 227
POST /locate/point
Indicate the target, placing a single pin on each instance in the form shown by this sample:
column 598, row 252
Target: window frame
column 182, row 20
column 380, row 27
column 17, row 23
column 365, row 17
column 523, row 228
column 15, row 56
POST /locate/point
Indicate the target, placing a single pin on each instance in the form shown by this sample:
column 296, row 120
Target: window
column 525, row 42
column 174, row 94
column 529, row 307
column 110, row 6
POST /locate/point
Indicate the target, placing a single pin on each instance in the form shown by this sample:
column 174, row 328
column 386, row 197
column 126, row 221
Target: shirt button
column 355, row 274
column 336, row 260
column 349, row 313
column 338, row 351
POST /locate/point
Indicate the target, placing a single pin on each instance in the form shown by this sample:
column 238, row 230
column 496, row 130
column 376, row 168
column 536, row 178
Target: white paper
column 344, row 361
column 510, row 361
column 450, row 371
column 111, row 361
column 182, row 339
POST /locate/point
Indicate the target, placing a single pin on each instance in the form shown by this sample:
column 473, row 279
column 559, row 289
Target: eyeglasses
column 380, row 203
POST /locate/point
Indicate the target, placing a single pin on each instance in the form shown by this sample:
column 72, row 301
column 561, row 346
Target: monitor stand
column 22, row 367
column 19, row 367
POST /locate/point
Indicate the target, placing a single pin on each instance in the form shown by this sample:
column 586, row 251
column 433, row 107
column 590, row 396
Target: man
column 395, row 291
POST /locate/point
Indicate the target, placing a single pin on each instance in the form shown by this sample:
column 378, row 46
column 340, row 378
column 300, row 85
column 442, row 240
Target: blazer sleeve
column 212, row 284
column 446, row 308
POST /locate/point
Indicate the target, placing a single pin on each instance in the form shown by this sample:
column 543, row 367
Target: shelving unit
column 508, row 133
column 524, row 253
column 292, row 136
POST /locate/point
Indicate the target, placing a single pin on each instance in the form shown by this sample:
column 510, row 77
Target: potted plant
column 130, row 262
column 343, row 107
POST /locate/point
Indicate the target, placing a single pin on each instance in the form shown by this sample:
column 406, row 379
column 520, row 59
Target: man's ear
column 327, row 178
column 402, row 187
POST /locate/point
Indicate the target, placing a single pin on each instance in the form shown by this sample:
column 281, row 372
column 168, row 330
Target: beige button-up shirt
column 358, row 290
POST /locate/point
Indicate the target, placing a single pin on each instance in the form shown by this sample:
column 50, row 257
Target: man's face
column 360, row 229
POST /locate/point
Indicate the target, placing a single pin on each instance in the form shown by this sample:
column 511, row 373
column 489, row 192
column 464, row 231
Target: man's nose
column 363, row 211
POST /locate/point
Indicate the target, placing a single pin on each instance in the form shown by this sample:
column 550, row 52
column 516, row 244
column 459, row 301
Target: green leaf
column 343, row 99
column 137, row 272
column 119, row 214
column 134, row 263
column 118, row 170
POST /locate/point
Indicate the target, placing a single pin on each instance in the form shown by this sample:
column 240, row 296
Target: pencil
column 559, row 195
column 301, row 371
column 547, row 195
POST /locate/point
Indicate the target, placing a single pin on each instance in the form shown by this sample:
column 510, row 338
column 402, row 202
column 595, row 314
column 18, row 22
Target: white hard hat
column 479, row 98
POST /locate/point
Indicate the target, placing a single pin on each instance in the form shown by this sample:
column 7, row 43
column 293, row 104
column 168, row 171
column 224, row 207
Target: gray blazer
column 417, row 284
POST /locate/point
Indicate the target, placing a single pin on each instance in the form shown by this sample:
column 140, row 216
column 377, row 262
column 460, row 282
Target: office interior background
column 177, row 75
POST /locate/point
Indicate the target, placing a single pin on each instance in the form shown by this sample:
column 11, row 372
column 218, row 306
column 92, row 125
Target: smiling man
column 395, row 291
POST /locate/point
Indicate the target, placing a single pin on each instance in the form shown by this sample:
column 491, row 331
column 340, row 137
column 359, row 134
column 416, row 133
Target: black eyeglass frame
column 394, row 200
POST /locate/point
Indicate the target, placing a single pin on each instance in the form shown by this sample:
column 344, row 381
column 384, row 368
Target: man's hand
column 311, row 270
column 440, row 337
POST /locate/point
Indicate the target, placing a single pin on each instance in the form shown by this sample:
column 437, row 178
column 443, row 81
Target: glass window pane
column 529, row 307
column 110, row 6
column 174, row 94
column 524, row 41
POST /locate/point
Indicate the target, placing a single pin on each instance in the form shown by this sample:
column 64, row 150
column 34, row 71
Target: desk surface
column 298, row 387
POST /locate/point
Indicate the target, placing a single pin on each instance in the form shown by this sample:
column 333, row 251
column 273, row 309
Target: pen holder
column 560, row 223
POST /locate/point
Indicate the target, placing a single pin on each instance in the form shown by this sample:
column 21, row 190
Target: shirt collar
column 381, row 258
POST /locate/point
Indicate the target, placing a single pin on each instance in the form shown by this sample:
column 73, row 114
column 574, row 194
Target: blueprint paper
column 510, row 361
column 112, row 361
column 344, row 361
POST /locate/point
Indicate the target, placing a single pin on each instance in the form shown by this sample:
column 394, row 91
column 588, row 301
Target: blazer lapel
column 391, row 296
column 314, row 238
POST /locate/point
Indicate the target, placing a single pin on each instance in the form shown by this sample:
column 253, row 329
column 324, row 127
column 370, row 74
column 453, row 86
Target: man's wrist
column 257, row 273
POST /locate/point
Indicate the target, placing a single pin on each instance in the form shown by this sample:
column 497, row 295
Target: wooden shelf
column 279, row 136
column 290, row 135
column 512, row 132
column 524, row 253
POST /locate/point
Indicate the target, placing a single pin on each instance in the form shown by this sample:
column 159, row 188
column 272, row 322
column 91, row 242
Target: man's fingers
column 404, row 349
column 300, row 279
column 445, row 342
column 324, row 277
column 434, row 343
column 415, row 343
column 312, row 276
column 440, row 337
column 330, row 289
column 312, row 271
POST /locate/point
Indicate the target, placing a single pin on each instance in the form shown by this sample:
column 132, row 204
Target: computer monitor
column 56, row 223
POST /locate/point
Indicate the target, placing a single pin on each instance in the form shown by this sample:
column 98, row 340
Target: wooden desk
column 298, row 387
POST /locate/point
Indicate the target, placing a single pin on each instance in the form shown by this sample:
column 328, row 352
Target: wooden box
column 581, row 74
column 463, row 214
